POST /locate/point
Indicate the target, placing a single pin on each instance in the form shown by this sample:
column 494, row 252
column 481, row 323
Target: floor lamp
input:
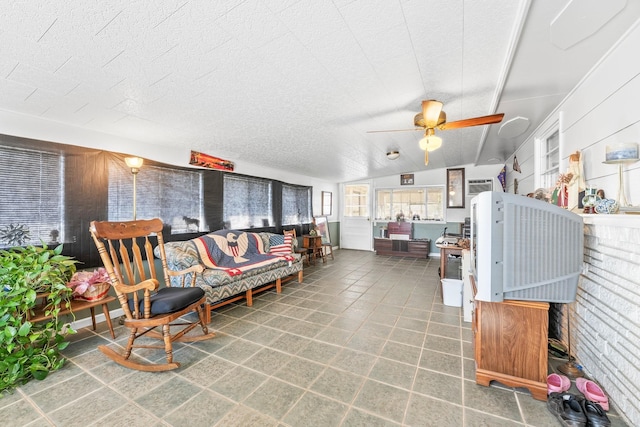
column 134, row 163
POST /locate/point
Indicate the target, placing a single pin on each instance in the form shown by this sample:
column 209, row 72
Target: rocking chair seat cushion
column 170, row 300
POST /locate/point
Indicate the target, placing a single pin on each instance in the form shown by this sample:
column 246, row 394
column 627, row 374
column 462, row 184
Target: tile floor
column 364, row 341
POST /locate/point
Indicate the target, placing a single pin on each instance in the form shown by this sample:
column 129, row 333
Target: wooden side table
column 75, row 306
column 445, row 251
column 313, row 244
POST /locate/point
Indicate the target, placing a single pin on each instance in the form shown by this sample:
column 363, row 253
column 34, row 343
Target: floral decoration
column 84, row 280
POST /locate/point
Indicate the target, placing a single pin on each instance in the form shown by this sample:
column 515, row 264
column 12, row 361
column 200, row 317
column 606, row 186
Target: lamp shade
column 134, row 162
column 430, row 143
column 392, row 155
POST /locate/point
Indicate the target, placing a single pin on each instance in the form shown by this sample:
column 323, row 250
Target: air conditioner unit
column 477, row 186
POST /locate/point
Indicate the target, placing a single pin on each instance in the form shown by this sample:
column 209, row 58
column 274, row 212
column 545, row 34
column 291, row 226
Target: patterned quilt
column 235, row 252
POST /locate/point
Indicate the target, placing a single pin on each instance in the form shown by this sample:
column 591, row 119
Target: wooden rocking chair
column 145, row 306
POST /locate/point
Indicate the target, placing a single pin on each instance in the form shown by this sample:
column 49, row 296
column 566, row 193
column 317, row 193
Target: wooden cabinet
column 510, row 340
column 419, row 247
column 313, row 244
column 408, row 248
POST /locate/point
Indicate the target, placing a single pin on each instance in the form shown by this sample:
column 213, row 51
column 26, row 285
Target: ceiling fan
column 432, row 117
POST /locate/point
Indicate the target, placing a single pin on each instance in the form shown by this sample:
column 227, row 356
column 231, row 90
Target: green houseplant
column 31, row 350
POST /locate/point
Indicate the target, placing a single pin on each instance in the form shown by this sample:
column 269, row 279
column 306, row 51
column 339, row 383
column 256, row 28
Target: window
column 356, row 200
column 173, row 195
column 420, row 203
column 435, row 204
column 248, row 202
column 296, row 204
column 548, row 148
column 32, row 197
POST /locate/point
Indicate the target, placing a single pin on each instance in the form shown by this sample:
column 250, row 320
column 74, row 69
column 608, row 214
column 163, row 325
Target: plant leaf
column 24, row 329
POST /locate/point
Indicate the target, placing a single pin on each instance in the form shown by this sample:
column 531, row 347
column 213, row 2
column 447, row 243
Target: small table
column 75, row 306
column 313, row 244
column 445, row 251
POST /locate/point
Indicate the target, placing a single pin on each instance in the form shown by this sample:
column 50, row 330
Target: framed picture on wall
column 326, row 203
column 406, row 179
column 455, row 188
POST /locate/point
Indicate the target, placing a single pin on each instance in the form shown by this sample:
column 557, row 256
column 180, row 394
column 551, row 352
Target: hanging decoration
column 516, row 166
column 502, row 177
column 207, row 161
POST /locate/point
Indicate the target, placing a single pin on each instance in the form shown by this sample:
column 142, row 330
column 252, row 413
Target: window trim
column 541, row 154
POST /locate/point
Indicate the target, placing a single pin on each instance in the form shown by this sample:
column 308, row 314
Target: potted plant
column 31, row 350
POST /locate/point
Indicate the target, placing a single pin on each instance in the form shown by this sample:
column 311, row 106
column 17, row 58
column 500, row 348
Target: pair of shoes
column 557, row 383
column 596, row 416
column 567, row 408
column 592, row 392
column 576, row 411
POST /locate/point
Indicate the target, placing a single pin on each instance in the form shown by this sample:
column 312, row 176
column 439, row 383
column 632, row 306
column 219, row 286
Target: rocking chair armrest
column 193, row 270
column 198, row 268
column 149, row 284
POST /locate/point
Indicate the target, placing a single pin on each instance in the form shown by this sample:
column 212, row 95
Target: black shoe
column 568, row 409
column 596, row 417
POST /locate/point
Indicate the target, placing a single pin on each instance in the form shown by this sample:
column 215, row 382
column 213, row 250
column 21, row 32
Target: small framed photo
column 406, row 179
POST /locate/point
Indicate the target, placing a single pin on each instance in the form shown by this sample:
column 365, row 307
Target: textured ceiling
column 277, row 83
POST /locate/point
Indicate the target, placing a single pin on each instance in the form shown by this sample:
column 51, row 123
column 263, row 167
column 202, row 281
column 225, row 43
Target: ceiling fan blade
column 476, row 121
column 431, row 112
column 395, row 130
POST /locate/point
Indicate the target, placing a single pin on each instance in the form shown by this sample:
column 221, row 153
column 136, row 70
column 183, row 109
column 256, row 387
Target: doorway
column 355, row 228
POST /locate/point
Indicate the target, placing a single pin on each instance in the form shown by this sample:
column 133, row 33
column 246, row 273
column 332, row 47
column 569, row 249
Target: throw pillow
column 280, row 245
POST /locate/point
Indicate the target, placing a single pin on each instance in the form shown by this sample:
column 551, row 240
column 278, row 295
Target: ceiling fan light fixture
column 392, row 155
column 430, row 143
column 431, row 112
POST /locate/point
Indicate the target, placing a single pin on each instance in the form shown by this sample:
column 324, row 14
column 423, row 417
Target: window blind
column 296, row 204
column 247, row 202
column 32, row 197
column 173, row 195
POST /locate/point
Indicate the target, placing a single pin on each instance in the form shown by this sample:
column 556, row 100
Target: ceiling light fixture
column 430, row 142
column 392, row 155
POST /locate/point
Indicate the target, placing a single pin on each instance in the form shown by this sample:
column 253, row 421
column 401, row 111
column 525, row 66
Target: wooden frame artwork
column 322, row 225
column 207, row 161
column 455, row 188
column 406, row 179
column 327, row 199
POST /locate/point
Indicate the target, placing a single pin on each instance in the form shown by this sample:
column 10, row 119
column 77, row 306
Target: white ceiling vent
column 477, row 186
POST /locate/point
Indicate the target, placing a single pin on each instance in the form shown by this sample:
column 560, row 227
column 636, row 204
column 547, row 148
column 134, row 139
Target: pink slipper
column 592, row 392
column 557, row 383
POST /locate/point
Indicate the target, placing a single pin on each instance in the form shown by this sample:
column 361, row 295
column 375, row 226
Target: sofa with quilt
column 237, row 264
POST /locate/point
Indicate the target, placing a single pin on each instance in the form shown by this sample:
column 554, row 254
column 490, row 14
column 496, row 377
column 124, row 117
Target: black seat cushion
column 169, row 300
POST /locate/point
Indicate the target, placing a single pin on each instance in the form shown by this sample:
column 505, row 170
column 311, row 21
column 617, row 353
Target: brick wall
column 605, row 319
